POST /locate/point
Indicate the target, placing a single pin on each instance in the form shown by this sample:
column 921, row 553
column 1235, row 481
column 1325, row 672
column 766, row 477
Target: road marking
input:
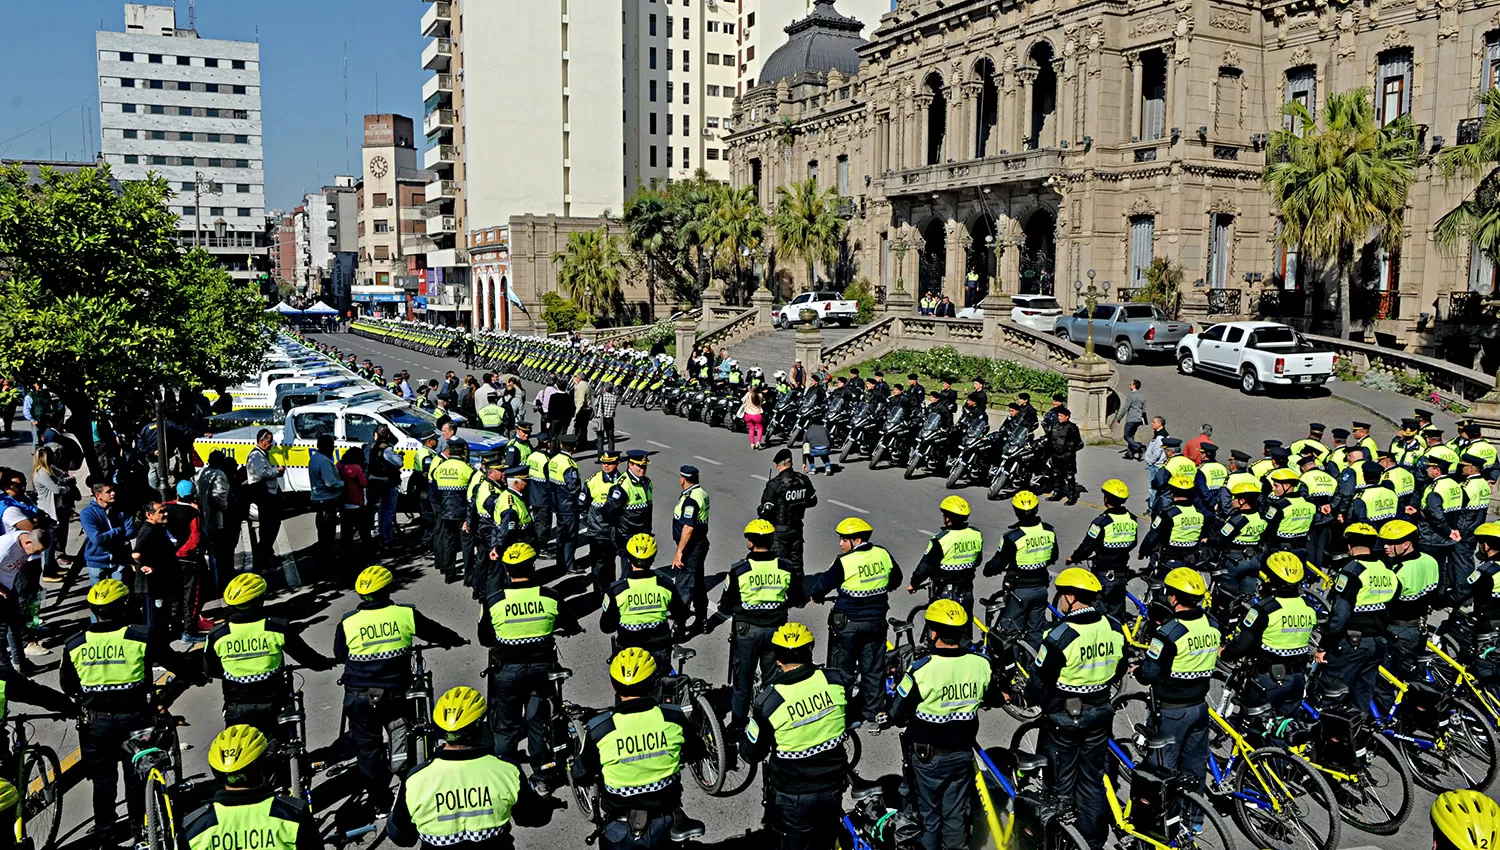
column 659, row 445
column 759, row 477
column 707, row 460
column 925, row 531
column 847, row 505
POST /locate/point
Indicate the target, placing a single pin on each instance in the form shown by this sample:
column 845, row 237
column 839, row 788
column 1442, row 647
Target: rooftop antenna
column 346, row 107
column 192, row 14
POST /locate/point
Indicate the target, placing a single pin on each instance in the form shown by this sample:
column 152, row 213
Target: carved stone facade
column 1056, row 137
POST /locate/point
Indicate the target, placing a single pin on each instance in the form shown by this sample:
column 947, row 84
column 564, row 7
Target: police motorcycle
column 864, row 428
column 933, row 447
column 781, row 421
column 695, row 402
column 978, row 452
column 719, row 406
column 897, row 433
column 837, row 418
column 811, row 410
column 1023, row 465
column 656, row 386
column 672, row 394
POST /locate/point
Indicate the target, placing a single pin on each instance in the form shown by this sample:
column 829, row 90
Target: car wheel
column 1249, row 383
column 1124, row 351
column 1185, row 364
column 1062, row 335
column 817, row 323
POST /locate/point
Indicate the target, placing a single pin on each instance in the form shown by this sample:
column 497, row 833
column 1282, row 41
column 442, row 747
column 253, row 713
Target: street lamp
column 1090, row 296
column 901, row 245
column 220, row 225
column 201, row 186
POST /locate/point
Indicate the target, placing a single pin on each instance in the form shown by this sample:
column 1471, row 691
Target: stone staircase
column 773, row 349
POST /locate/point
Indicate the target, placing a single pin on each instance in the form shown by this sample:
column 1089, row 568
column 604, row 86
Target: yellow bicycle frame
column 1122, row 817
column 157, row 777
column 998, row 833
column 1467, row 679
column 1243, row 749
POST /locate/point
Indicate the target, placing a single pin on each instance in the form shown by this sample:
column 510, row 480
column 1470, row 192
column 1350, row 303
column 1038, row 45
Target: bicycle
column 691, row 695
column 155, row 755
column 1446, row 740
column 1159, row 812
column 1359, row 762
column 1008, row 650
column 38, row 779
column 870, row 823
column 1456, row 676
column 1033, row 816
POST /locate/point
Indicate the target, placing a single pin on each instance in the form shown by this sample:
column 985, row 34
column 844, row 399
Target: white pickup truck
column 830, row 307
column 1258, row 354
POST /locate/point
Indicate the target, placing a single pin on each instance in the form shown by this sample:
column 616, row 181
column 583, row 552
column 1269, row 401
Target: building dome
column 821, row 42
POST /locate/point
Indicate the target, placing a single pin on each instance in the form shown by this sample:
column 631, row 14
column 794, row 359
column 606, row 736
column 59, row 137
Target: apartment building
column 391, row 212
column 188, row 109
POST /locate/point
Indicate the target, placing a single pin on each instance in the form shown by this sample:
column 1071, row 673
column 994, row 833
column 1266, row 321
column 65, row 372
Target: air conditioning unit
column 707, row 133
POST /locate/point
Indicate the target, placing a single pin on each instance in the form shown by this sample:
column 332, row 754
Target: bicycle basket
column 1421, row 708
column 147, row 749
column 1150, row 803
column 1035, row 815
column 1338, row 739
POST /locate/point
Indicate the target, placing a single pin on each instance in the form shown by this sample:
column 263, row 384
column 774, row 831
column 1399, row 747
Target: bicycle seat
column 683, row 653
column 1030, row 762
column 1332, row 690
column 685, row 828
column 561, row 674
column 896, row 622
column 1154, row 740
column 860, row 793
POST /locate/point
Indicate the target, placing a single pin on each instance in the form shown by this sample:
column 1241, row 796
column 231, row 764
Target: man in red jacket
column 184, row 522
column 1192, row 449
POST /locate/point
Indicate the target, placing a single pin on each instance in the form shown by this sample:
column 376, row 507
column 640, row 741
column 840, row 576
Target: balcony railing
column 439, row 156
column 1282, row 304
column 1223, row 302
column 847, row 207
column 1473, row 307
column 442, row 224
column 437, row 54
column 1002, row 168
column 1373, row 304
column 1468, row 131
column 441, row 190
column 436, row 19
column 437, row 119
column 437, row 84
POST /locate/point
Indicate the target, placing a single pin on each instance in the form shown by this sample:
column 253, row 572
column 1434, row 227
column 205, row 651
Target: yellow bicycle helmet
column 1024, row 501
column 632, row 666
column 1285, row 566
column 1115, row 487
column 1077, row 578
column 1180, row 482
column 373, row 580
column 1283, row 474
column 946, row 612
column 792, row 636
column 458, row 707
column 1364, row 529
column 1464, row 819
column 1488, row 529
column 244, row 589
column 8, row 796
column 108, row 591
column 641, row 547
column 1187, row 580
column 1244, row 488
column 956, row 505
column 518, row 553
column 759, row 526
column 853, row 527
column 236, row 748
column 1397, row 530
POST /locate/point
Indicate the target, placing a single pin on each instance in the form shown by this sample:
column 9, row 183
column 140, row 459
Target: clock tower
column 390, row 214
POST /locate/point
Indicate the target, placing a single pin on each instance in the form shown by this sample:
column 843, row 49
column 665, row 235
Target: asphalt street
column 904, row 514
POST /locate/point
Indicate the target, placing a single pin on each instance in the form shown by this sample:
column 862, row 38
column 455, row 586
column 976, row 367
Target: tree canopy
column 808, row 225
column 1476, row 219
column 590, row 271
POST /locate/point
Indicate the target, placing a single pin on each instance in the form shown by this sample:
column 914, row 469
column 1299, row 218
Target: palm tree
column 735, row 224
column 1476, row 219
column 648, row 231
column 808, row 225
column 692, row 207
column 589, row 270
column 1338, row 187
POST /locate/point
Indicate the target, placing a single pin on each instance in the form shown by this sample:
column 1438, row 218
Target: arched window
column 937, row 119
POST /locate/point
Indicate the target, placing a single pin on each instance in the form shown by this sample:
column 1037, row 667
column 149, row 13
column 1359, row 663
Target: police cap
column 1408, row 424
column 1208, row 448
column 1360, row 426
column 493, row 459
column 607, row 457
column 568, row 440
column 689, row 472
column 1432, row 432
column 1270, row 444
column 523, row 426
column 521, row 471
column 1239, row 455
column 1472, row 429
column 1172, row 443
column 1423, row 414
column 1315, row 427
column 1279, row 453
column 1341, row 433
column 1473, row 460
column 783, row 456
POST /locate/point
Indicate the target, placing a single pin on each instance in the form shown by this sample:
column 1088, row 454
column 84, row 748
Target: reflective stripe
column 812, row 751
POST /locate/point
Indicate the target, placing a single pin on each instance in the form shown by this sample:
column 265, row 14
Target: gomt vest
column 510, row 500
column 1418, row 577
column 492, row 416
column 810, row 719
column 379, row 633
column 536, row 462
column 1401, row 480
column 523, row 616
column 698, row 498
column 452, row 800
column 250, row 652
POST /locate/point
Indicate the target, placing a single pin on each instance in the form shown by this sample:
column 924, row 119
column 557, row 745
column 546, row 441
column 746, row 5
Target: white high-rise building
column 188, row 109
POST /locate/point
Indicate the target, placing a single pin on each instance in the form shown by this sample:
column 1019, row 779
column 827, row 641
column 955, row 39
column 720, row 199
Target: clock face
column 379, row 166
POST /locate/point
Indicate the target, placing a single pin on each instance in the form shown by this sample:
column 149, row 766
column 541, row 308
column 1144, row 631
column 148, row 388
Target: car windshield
column 827, row 296
column 416, row 423
column 1273, row 337
column 1143, row 311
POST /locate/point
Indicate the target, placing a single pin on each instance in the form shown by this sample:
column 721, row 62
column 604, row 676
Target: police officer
column 1337, row 459
column 1026, row 551
column 1178, row 667
column 864, row 576
column 951, row 558
column 1476, row 626
column 1239, row 472
column 463, row 796
column 511, row 521
column 1276, row 633
column 1209, row 480
column 374, row 643
column 538, row 495
column 1237, row 540
column 448, row 484
column 757, row 593
column 784, row 502
column 630, row 502
column 492, row 415
column 1318, row 487
column 518, row 449
column 1374, row 501
column 1406, row 446
column 478, row 524
column 1351, row 479
column 248, row 652
column 1418, row 591
column 635, row 751
column 1108, row 542
column 1078, row 662
column 643, row 604
column 518, row 625
column 1437, row 515
column 599, row 518
column 1477, row 492
column 1473, row 442
column 800, row 722
column 1159, row 478
column 1289, row 516
column 1353, row 640
column 937, row 704
column 1400, row 480
column 566, row 487
column 107, row 669
column 1360, row 432
column 1177, row 529
column 690, row 533
column 247, row 812
column 1313, row 441
column 420, row 484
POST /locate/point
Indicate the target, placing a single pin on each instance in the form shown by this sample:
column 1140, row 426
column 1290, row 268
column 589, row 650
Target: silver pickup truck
column 1128, row 329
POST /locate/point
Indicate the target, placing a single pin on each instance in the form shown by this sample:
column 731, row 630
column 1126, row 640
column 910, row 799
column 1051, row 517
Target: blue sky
column 48, row 77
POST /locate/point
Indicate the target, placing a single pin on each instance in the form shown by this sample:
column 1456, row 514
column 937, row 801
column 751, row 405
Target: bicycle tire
column 1441, row 769
column 1130, row 710
column 586, row 796
column 158, row 832
column 1067, row 837
column 1214, row 834
column 1015, row 686
column 1296, row 798
column 709, row 771
column 1369, row 779
column 42, row 806
column 1028, row 737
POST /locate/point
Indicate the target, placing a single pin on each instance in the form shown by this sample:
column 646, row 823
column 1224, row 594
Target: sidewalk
column 1392, row 407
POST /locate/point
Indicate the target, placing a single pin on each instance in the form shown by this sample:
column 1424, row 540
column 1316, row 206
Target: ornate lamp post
column 901, row 246
column 1090, row 296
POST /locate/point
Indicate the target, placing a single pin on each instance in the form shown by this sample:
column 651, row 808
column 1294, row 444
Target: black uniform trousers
column 788, row 540
column 1403, row 644
column 101, row 741
column 1187, row 754
column 445, row 544
column 1077, row 750
column 692, row 588
column 469, row 543
column 602, row 552
column 856, row 648
column 805, row 821
column 1112, row 597
column 369, row 712
column 749, row 647
column 656, row 836
column 938, row 788
column 539, row 499
column 517, row 692
column 1356, row 665
column 567, row 541
column 1025, row 611
column 1283, row 692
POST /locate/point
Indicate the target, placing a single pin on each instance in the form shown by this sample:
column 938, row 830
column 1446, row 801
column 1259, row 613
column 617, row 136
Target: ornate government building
column 1042, row 140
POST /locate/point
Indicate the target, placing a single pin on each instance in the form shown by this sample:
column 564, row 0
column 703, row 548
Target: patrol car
column 262, row 391
column 352, row 422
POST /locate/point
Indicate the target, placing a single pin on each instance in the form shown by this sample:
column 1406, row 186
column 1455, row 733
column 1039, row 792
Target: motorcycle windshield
column 895, row 416
column 977, row 428
column 1015, row 440
column 835, row 407
column 932, row 424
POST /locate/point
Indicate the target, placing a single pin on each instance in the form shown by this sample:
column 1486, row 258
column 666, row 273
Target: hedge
column 1002, row 378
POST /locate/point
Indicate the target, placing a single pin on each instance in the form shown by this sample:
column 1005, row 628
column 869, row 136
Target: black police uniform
column 1354, row 641
column 689, row 578
column 258, row 702
column 655, row 639
column 657, row 805
column 953, row 581
column 1025, row 584
column 784, row 502
column 756, row 622
column 1111, row 557
column 803, row 790
column 1280, row 677
column 857, row 628
column 518, row 683
column 1478, row 628
column 1181, row 697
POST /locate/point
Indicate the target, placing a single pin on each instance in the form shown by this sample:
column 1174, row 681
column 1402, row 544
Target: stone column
column 476, row 308
column 686, row 331
column 920, row 136
column 971, row 119
column 1026, row 77
column 589, row 334
column 1088, row 396
column 761, row 299
column 956, row 268
column 1133, row 105
column 809, row 346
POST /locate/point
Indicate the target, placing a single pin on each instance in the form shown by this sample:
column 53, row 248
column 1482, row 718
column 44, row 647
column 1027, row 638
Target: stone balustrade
column 1448, row 379
column 628, row 335
column 742, row 324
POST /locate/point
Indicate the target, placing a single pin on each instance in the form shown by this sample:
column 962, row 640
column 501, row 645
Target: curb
column 1359, row 404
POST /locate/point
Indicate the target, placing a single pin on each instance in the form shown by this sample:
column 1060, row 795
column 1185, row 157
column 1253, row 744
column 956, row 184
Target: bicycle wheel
column 1023, row 659
column 158, row 833
column 41, row 808
column 1282, row 803
column 1378, row 799
column 1462, row 756
column 1067, row 837
column 1027, row 738
column 1131, row 710
column 1200, row 826
column 586, row 796
column 853, row 749
column 709, row 770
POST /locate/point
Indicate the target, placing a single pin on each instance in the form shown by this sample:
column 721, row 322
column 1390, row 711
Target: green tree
column 1339, row 186
column 590, row 271
column 735, row 224
column 561, row 314
column 1476, row 220
column 808, row 225
column 1163, row 282
column 692, row 206
column 862, row 294
column 649, row 225
column 98, row 302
